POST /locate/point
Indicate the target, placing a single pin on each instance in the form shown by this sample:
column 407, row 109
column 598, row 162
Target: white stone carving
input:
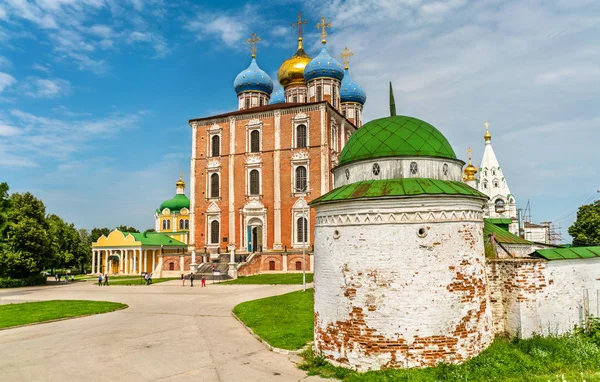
column 300, row 155
column 254, row 159
column 300, row 116
column 213, row 163
column 213, row 208
column 254, row 122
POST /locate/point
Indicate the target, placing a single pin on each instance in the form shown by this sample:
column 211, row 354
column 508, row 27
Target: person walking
column 146, row 278
column 203, row 282
column 191, row 280
column 182, row 280
column 100, row 280
column 106, row 279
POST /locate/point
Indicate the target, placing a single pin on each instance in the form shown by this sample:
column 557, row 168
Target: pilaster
column 231, row 206
column 277, row 184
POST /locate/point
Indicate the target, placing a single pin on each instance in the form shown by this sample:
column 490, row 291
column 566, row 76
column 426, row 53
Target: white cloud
column 230, row 28
column 41, row 68
column 6, row 80
column 5, row 63
column 8, row 130
column 3, row 14
column 158, row 43
column 46, row 88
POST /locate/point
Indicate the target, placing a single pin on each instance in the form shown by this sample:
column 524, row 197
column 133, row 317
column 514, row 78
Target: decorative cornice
column 398, row 218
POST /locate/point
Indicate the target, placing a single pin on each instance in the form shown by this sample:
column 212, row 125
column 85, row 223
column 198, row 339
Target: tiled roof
column 568, row 253
column 501, row 235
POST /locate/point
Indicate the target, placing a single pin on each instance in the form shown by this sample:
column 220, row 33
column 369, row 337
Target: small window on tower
column 295, row 99
column 255, row 141
column 334, row 96
column 414, row 168
column 356, row 117
column 215, row 146
column 319, row 95
column 247, row 103
column 347, row 174
column 445, row 169
column 254, row 182
column 499, row 205
column 261, row 102
column 376, row 169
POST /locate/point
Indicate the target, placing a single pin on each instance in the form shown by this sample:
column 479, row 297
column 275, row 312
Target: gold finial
column 322, row 25
column 487, row 136
column 252, row 42
column 299, row 26
column 180, row 182
column 470, row 170
column 346, row 54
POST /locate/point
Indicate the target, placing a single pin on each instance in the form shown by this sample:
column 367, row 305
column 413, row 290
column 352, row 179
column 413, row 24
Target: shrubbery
column 7, row 282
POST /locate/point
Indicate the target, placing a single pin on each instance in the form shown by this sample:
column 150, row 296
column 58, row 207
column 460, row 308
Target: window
column 485, row 173
column 356, row 116
column 300, row 179
column 215, row 146
column 261, row 102
column 499, row 205
column 164, row 224
column 445, row 169
column 334, row 96
column 301, row 136
column 376, row 169
column 493, row 172
column 271, row 265
column 347, row 174
column 187, row 224
column 319, row 94
column 171, row 266
column 214, row 232
column 301, row 224
column 485, row 184
column 298, row 265
column 181, row 224
column 247, row 103
column 255, row 141
column 295, row 99
column 414, row 168
column 168, row 224
column 254, row 182
column 214, row 186
column 496, row 184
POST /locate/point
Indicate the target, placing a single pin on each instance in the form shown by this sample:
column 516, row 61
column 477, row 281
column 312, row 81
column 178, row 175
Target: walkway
column 168, row 333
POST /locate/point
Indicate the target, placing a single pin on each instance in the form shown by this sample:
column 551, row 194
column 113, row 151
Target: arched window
column 254, row 182
column 499, row 205
column 295, row 99
column 254, row 141
column 485, row 184
column 356, row 117
column 168, row 224
column 301, row 136
column 181, row 224
column 214, row 186
column 215, row 146
column 301, row 224
column 214, row 232
column 164, row 224
column 334, row 97
column 319, row 94
column 300, row 179
column 247, row 103
column 187, row 224
column 261, row 102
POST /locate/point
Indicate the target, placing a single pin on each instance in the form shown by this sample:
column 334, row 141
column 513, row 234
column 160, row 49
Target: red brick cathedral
column 254, row 170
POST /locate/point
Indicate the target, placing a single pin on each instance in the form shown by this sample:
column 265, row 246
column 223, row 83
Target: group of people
column 58, row 276
column 103, row 278
column 192, row 277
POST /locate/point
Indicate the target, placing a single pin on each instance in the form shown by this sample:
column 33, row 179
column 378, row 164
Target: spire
column 180, row 185
column 346, row 54
column 322, row 26
column 252, row 42
column 487, row 136
column 392, row 102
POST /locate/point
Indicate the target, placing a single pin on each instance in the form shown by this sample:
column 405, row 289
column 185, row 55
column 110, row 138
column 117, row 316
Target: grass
column 284, row 321
column 271, row 279
column 33, row 312
column 136, row 281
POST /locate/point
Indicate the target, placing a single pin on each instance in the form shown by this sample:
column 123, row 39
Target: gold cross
column 346, row 54
column 322, row 25
column 252, row 41
column 487, row 125
column 469, row 151
column 299, row 25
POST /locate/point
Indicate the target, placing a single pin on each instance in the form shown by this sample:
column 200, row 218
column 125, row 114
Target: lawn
column 32, row 312
column 270, row 279
column 136, row 281
column 284, row 321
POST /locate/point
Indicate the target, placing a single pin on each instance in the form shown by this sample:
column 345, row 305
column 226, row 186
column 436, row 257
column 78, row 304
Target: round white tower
column 399, row 259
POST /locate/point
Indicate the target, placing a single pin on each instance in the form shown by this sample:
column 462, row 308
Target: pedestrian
column 191, row 279
column 106, row 279
column 59, row 275
column 56, row 277
column 182, row 280
column 150, row 279
column 203, row 281
column 146, row 278
column 100, row 280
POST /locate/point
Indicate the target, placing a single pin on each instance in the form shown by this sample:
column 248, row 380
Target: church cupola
column 324, row 73
column 277, row 97
column 180, row 185
column 291, row 72
column 253, row 85
column 470, row 172
column 352, row 95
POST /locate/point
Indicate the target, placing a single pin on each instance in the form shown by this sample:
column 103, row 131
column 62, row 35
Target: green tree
column 4, row 207
column 64, row 243
column 85, row 249
column 97, row 232
column 150, row 230
column 124, row 228
column 586, row 229
column 25, row 250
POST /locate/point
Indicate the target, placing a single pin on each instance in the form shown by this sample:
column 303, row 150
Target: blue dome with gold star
column 277, row 97
column 323, row 66
column 253, row 79
column 350, row 91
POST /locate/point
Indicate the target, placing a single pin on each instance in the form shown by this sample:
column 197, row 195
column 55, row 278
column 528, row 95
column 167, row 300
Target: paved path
column 168, row 333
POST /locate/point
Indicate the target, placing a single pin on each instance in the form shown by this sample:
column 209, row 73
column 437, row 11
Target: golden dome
column 487, row 136
column 470, row 172
column 180, row 182
column 291, row 71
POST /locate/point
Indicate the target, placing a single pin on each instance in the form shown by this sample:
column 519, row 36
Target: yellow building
column 173, row 216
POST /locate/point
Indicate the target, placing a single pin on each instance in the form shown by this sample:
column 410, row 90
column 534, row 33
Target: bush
column 7, row 282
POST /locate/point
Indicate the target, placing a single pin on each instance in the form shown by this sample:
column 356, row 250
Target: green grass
column 32, row 312
column 284, row 321
column 270, row 279
column 136, row 281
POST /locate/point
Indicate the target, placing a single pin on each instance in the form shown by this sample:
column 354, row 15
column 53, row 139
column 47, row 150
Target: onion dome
column 487, row 136
column 277, row 97
column 470, row 170
column 350, row 91
column 396, row 136
column 323, row 66
column 253, row 79
column 291, row 71
column 175, row 204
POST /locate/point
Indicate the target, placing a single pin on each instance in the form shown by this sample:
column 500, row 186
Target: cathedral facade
column 254, row 170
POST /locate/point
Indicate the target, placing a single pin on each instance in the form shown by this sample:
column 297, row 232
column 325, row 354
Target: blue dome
column 323, row 66
column 277, row 97
column 350, row 91
column 253, row 79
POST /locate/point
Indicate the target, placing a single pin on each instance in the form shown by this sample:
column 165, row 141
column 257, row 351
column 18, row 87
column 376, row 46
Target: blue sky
column 95, row 95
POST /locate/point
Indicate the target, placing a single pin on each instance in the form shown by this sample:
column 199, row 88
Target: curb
column 272, row 348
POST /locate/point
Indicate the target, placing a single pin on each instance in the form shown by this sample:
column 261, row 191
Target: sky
column 95, row 95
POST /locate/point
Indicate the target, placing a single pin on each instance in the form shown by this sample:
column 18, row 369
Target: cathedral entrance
column 255, row 235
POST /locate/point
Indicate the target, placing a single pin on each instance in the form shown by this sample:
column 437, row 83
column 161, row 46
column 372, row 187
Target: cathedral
column 254, row 170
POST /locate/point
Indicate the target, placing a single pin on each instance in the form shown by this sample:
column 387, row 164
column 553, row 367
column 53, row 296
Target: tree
column 586, row 229
column 150, row 230
column 85, row 249
column 124, row 228
column 97, row 232
column 64, row 243
column 4, row 207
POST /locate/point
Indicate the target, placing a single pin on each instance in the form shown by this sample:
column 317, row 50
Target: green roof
column 398, row 187
column 502, row 236
column 396, row 136
column 500, row 220
column 176, row 203
column 568, row 253
column 155, row 239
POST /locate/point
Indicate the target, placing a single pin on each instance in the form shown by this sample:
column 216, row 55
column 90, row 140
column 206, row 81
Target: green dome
column 396, row 136
column 176, row 204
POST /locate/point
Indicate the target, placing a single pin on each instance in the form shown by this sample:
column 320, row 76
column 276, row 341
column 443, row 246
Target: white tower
column 493, row 183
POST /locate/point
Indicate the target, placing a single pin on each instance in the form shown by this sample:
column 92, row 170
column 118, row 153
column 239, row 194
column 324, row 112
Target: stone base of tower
column 401, row 284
